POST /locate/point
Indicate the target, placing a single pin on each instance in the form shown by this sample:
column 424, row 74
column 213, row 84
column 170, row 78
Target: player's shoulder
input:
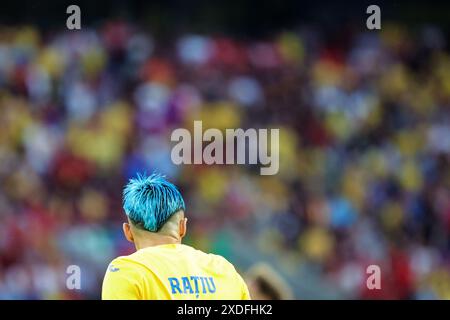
column 124, row 263
column 214, row 260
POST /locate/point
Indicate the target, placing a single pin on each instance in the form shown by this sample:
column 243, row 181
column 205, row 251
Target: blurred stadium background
column 364, row 139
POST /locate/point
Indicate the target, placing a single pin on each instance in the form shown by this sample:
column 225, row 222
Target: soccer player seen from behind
column 162, row 267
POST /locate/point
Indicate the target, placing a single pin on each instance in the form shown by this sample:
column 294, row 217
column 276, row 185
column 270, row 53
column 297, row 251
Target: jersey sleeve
column 121, row 281
column 244, row 289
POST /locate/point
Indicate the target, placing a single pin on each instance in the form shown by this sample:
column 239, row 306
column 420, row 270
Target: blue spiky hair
column 149, row 201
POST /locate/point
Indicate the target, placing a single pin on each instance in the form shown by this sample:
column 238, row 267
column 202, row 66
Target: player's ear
column 127, row 232
column 183, row 227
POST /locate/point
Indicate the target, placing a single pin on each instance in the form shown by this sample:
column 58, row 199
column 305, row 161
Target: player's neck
column 156, row 240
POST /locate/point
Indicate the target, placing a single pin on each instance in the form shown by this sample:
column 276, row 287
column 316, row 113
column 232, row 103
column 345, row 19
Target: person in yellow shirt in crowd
column 163, row 268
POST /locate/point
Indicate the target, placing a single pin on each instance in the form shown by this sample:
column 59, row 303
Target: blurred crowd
column 364, row 178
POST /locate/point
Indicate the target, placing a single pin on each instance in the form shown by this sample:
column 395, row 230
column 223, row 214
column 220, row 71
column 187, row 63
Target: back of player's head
column 267, row 283
column 149, row 201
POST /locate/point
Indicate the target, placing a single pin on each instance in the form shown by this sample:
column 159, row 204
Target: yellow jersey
column 172, row 272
